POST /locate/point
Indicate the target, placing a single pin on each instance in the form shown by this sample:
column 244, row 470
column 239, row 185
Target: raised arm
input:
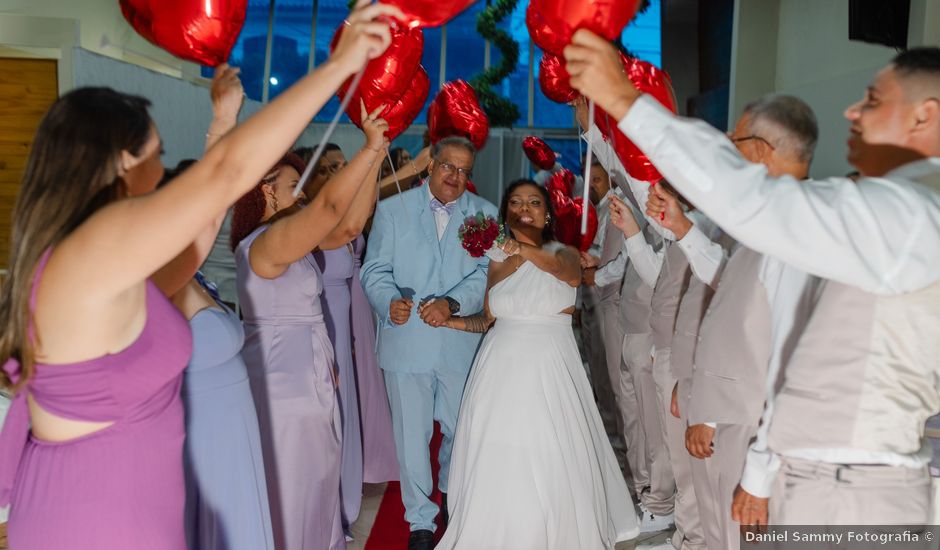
column 879, row 234
column 227, row 94
column 647, row 261
column 694, row 232
column 563, row 262
column 127, row 241
column 292, row 237
column 406, row 176
column 351, row 225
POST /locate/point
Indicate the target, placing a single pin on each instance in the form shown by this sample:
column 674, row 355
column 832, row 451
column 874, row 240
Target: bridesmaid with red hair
column 287, row 347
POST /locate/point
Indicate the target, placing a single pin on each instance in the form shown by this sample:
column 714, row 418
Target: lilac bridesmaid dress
column 118, row 487
column 337, row 268
column 290, row 368
column 379, row 462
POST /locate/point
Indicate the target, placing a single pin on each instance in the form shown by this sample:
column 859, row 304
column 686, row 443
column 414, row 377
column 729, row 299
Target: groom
column 415, row 256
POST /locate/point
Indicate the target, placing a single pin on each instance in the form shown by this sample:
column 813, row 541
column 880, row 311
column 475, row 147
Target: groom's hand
column 400, row 310
column 435, row 312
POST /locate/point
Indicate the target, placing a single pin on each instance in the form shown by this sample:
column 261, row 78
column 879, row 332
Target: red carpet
column 390, row 530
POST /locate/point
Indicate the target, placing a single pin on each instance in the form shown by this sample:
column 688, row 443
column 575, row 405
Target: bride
column 532, row 467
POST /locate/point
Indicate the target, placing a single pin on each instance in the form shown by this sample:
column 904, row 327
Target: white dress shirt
column 705, row 256
column 879, row 234
column 441, row 218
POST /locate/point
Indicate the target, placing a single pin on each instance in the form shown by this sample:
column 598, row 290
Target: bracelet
column 371, row 149
column 415, row 166
column 210, row 134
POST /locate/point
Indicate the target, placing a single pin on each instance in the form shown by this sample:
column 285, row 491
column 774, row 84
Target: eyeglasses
column 449, row 169
column 747, row 138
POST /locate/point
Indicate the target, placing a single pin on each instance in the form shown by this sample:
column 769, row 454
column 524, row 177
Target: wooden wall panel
column 27, row 88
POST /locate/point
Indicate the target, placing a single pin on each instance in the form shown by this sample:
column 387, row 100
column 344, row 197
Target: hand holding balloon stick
column 318, row 152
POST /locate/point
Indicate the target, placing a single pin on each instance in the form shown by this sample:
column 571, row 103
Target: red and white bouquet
column 480, row 234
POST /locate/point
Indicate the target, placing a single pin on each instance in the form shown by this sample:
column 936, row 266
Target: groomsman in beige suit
column 689, row 254
column 757, row 309
column 636, row 391
column 845, row 429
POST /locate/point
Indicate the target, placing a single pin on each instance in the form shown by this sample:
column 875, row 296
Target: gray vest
column 672, row 282
column 735, row 346
column 686, row 335
column 635, row 295
column 864, row 375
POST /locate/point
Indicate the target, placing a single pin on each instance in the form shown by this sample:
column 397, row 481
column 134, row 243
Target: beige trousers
column 818, row 493
column 621, row 381
column 659, row 499
column 689, row 533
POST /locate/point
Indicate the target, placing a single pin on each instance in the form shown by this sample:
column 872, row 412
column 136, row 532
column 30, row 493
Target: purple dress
column 290, row 368
column 379, row 462
column 118, row 487
column 337, row 268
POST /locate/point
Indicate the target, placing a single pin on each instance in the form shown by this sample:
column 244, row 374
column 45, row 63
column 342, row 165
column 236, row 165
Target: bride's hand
column 511, row 247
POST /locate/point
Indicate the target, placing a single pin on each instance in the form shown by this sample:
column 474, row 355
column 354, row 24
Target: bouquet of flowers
column 479, row 236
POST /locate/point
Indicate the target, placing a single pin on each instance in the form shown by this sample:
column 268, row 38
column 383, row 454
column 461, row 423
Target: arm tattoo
column 478, row 323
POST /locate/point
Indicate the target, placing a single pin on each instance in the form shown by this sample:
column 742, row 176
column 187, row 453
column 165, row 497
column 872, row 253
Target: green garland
column 501, row 111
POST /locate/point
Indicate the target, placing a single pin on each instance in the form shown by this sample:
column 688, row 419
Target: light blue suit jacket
column 405, row 259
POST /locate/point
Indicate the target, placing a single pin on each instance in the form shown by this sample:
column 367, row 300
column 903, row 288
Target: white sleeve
column 880, row 234
column 761, row 465
column 646, row 261
column 612, row 271
column 791, row 294
column 705, row 255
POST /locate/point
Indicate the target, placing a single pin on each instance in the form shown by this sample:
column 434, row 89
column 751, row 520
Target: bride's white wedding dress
column 532, row 467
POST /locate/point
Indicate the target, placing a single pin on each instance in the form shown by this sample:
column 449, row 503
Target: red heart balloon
column 429, row 13
column 587, row 239
column 538, row 152
column 561, row 181
column 386, row 78
column 568, row 214
column 552, row 22
column 457, row 112
column 202, row 31
column 651, row 80
column 402, row 113
column 553, row 79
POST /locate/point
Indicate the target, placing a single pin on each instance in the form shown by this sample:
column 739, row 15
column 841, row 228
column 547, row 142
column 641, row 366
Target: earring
column 274, row 206
column 548, row 218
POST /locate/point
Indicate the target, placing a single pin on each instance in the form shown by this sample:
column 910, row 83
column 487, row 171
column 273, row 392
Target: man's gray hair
column 787, row 122
column 453, row 141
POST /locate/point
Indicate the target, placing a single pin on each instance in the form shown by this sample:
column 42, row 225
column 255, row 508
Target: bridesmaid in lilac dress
column 287, row 349
column 93, row 459
column 379, row 462
column 337, row 268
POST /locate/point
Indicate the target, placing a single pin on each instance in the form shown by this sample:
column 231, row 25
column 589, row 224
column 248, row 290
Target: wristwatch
column 454, row 305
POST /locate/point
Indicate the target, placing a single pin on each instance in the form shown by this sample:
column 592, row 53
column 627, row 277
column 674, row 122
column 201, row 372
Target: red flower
column 479, row 233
